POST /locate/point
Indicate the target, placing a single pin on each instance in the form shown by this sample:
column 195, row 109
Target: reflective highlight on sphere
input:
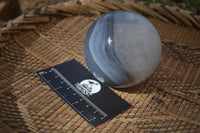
column 122, row 49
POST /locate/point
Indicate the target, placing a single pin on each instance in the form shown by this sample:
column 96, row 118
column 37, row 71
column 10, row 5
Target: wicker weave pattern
column 168, row 101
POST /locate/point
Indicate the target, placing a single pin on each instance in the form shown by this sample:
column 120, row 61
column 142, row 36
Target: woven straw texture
column 169, row 101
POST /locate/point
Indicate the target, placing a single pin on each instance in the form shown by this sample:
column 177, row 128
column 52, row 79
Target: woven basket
column 168, row 101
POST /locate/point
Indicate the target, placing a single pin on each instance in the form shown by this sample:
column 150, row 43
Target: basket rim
column 27, row 21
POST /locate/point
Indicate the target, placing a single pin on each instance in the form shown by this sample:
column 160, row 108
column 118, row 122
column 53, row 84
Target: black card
column 92, row 100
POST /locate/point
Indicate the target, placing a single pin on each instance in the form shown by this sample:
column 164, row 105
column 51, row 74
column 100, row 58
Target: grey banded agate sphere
column 122, row 49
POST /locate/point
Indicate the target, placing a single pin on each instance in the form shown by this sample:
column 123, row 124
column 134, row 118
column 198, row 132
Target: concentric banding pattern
column 122, row 48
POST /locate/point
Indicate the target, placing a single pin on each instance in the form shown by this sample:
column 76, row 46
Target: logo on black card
column 88, row 87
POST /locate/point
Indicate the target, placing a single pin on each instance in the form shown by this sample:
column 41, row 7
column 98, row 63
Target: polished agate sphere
column 122, row 49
